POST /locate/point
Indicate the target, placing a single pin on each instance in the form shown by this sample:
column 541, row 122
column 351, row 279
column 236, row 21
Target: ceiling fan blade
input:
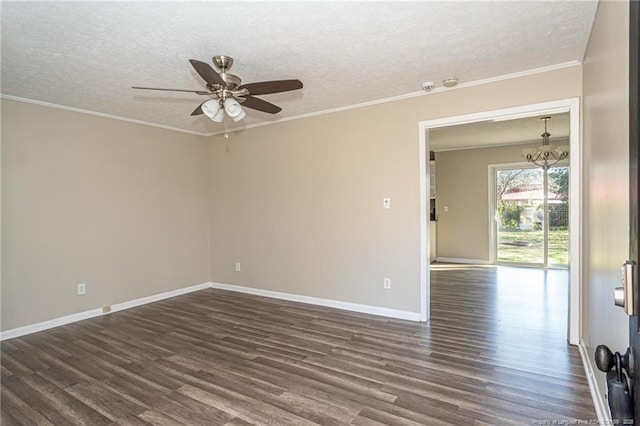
column 198, row 110
column 198, row 92
column 259, row 104
column 275, row 86
column 207, row 72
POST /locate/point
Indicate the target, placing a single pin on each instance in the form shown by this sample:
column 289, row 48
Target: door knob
column 619, row 390
column 606, row 360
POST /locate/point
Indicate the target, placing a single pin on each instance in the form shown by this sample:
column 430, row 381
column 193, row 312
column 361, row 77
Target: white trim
column 56, row 322
column 425, row 249
column 495, row 79
column 157, row 297
column 599, row 403
column 544, row 108
column 575, row 223
column 45, row 325
column 575, row 199
column 493, row 228
column 518, row 74
column 461, row 260
column 347, row 306
column 98, row 114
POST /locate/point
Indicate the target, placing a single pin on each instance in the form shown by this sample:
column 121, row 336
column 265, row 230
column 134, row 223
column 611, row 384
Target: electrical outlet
column 386, row 203
column 106, row 309
column 82, row 289
column 386, row 283
column 238, row 267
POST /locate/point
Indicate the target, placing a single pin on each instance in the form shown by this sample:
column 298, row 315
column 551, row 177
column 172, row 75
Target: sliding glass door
column 531, row 214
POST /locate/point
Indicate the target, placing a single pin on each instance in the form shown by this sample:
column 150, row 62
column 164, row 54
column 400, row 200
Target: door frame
column 575, row 198
column 634, row 194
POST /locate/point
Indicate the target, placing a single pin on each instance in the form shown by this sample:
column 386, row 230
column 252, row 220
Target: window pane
column 558, row 216
column 520, row 215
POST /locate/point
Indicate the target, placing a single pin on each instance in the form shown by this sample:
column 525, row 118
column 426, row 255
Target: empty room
column 299, row 213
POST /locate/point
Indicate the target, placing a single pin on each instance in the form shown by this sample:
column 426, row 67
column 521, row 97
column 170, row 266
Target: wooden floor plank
column 493, row 353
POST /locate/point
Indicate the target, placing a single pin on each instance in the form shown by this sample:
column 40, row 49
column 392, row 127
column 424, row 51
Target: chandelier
column 545, row 155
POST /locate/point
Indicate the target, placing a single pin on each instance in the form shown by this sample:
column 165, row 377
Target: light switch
column 386, row 203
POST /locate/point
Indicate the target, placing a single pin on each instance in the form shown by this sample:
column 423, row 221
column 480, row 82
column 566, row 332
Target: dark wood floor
column 494, row 353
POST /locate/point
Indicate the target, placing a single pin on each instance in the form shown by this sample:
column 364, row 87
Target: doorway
column 530, row 208
column 571, row 105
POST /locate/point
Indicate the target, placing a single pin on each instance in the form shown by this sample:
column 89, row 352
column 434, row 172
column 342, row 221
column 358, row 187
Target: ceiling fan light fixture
column 233, row 109
column 219, row 116
column 225, row 86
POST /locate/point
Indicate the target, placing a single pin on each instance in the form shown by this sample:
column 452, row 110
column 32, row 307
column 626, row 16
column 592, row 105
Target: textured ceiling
column 87, row 55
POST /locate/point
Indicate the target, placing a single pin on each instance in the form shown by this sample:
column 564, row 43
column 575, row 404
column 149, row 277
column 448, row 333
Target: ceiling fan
column 230, row 94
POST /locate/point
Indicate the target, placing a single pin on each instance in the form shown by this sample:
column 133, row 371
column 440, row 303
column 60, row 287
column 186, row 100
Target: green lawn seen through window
column 526, row 246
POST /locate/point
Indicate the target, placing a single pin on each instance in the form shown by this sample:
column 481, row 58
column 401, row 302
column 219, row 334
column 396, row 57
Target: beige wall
column 606, row 158
column 462, row 185
column 119, row 206
column 299, row 203
column 123, row 207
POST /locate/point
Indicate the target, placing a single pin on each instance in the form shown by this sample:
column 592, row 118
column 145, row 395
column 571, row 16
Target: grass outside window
column 527, row 246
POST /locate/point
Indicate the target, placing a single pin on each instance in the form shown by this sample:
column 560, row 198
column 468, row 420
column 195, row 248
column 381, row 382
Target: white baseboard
column 56, row 322
column 347, row 306
column 156, row 297
column 45, row 325
column 461, row 260
column 599, row 402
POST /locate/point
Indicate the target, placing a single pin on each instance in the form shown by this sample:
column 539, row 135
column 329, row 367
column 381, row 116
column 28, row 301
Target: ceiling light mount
column 450, row 82
column 223, row 62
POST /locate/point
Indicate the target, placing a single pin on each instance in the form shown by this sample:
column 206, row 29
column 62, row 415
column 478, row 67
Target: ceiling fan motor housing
column 233, row 81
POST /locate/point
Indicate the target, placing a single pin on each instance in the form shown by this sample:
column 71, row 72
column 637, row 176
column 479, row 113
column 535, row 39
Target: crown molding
column 97, row 114
column 406, row 96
